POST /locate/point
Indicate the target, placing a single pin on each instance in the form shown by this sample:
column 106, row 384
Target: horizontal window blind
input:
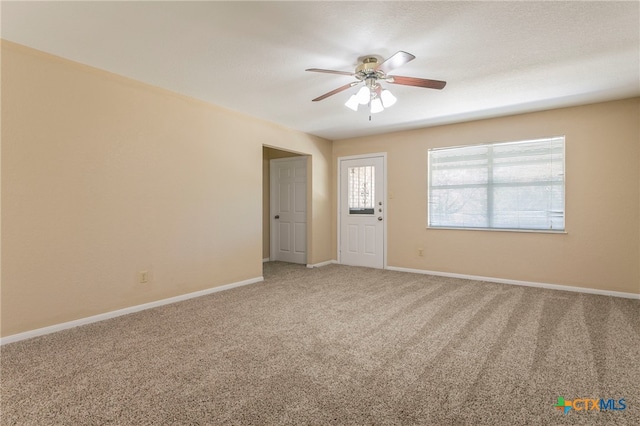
column 514, row 185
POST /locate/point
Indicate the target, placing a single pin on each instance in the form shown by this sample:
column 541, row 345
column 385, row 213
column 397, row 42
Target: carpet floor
column 338, row 345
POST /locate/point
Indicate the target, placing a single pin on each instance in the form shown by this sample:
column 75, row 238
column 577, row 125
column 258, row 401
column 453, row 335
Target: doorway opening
column 285, row 206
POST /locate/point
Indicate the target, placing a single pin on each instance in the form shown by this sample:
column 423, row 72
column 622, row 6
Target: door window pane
column 361, row 189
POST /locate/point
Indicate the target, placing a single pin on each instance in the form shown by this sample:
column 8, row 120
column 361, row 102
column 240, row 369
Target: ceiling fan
column 371, row 73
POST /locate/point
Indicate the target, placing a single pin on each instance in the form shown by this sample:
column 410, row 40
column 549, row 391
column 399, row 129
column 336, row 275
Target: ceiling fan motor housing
column 367, row 72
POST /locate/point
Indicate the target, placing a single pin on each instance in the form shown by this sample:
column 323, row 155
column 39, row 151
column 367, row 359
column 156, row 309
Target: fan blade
column 330, row 71
column 418, row 82
column 338, row 90
column 398, row 59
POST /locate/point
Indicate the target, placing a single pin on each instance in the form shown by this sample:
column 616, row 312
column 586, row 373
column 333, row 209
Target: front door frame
column 385, row 212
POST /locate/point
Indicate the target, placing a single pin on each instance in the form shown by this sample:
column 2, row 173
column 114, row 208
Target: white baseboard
column 517, row 282
column 318, row 265
column 266, row 259
column 120, row 312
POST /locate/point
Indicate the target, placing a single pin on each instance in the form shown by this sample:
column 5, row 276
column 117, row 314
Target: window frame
column 496, row 229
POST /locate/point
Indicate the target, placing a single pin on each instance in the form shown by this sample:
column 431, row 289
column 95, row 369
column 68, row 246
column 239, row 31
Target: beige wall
column 103, row 177
column 601, row 247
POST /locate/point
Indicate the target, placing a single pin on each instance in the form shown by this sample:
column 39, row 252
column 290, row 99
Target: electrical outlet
column 143, row 277
column 420, row 252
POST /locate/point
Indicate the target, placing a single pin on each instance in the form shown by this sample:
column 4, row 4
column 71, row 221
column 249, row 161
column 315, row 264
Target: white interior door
column 289, row 209
column 362, row 211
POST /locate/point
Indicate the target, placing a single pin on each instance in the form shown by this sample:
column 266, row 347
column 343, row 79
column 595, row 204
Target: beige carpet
column 337, row 345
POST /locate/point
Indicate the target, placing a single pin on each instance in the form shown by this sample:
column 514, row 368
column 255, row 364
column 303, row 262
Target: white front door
column 362, row 211
column 289, row 209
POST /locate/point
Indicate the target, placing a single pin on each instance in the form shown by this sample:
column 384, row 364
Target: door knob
column 277, row 216
column 380, row 218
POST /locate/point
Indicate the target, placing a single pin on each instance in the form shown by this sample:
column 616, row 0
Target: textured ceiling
column 498, row 58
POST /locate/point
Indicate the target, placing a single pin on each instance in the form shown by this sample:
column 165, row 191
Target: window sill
column 526, row 231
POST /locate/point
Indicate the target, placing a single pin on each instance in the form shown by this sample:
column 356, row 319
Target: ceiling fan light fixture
column 376, row 106
column 364, row 95
column 352, row 103
column 370, row 72
column 387, row 98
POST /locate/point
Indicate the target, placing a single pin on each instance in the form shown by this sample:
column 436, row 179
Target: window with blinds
column 509, row 186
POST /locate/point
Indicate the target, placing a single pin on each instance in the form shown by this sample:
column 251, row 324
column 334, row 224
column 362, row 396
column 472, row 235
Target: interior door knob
column 380, row 218
column 277, row 216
